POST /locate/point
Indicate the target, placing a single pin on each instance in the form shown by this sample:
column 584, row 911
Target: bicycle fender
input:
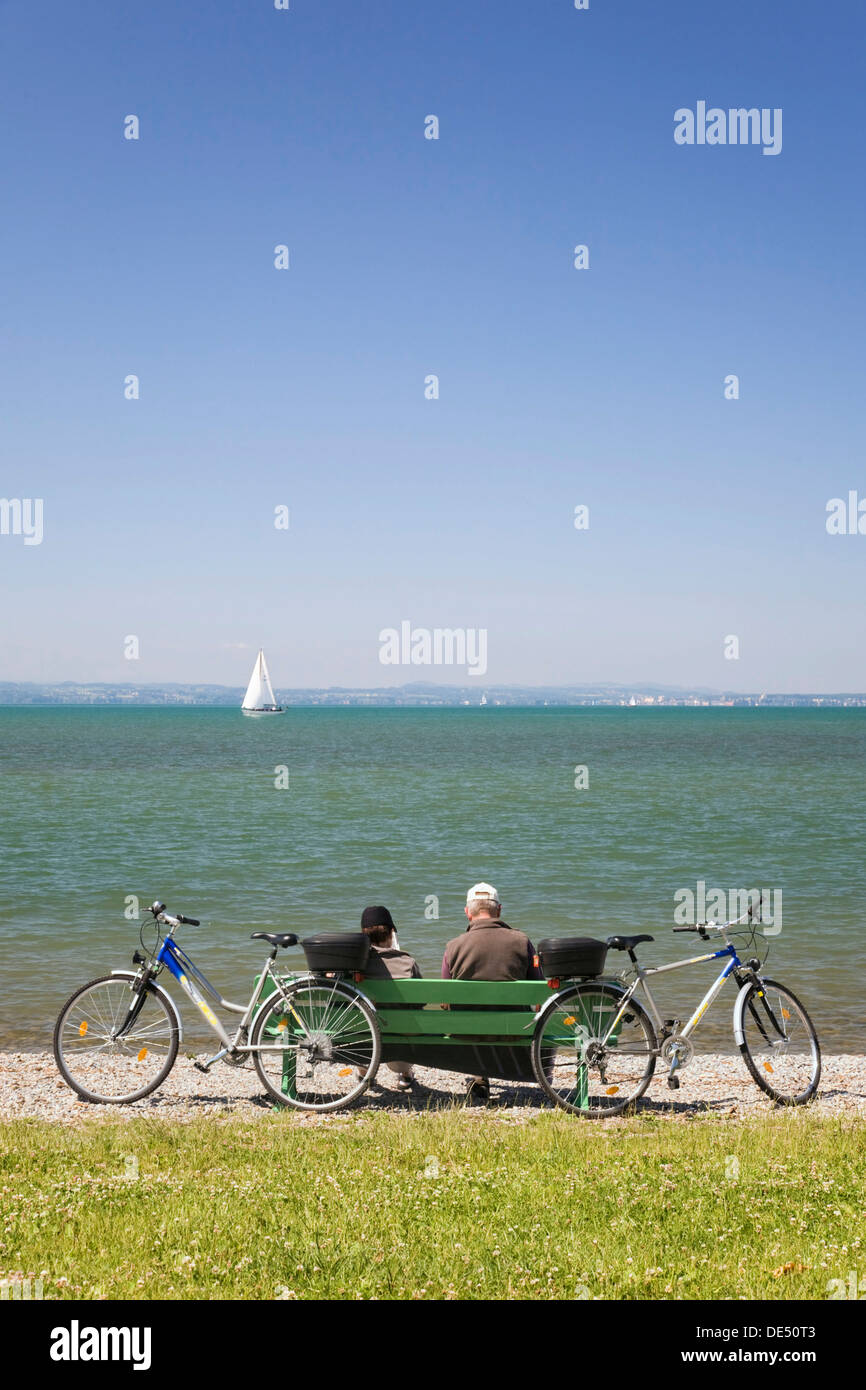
column 164, row 995
column 344, row 984
column 304, row 979
column 549, row 1004
column 739, row 1010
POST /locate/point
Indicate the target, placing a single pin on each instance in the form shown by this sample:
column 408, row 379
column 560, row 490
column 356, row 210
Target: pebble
column 712, row 1084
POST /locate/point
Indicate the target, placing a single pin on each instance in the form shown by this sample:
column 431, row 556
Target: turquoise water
column 398, row 806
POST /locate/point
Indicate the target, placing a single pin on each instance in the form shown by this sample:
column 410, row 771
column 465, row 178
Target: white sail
column 260, row 693
column 269, row 689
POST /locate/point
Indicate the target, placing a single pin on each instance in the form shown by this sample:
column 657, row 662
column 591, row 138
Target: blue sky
column 410, row 257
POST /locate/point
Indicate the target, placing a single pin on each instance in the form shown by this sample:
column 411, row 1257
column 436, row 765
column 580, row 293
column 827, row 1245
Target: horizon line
column 435, row 688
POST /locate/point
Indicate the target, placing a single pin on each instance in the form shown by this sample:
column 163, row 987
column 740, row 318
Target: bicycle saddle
column 627, row 943
column 276, row 938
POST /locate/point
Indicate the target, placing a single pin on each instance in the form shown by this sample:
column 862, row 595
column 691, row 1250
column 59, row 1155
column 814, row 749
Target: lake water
column 407, row 806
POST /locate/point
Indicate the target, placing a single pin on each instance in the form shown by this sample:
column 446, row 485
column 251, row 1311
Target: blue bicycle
column 117, row 1037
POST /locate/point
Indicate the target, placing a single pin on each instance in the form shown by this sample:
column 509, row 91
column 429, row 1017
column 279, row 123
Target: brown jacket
column 490, row 950
column 385, row 962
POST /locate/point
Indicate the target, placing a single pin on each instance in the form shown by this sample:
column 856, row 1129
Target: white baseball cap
column 482, row 890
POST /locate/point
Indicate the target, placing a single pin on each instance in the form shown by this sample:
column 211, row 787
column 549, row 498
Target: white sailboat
column 259, row 698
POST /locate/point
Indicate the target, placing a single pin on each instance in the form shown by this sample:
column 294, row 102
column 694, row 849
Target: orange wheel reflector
column 553, row 984
column 785, row 1013
column 611, row 1090
column 768, row 1066
column 570, row 1021
column 345, row 1071
column 142, row 1054
column 282, row 1026
column 82, row 1028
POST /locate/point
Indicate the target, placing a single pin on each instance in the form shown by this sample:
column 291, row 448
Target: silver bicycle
column 598, row 1048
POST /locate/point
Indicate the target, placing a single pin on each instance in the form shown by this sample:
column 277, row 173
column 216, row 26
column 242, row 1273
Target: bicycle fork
column 136, row 1005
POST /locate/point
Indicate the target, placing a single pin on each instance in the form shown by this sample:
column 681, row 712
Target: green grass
column 435, row 1206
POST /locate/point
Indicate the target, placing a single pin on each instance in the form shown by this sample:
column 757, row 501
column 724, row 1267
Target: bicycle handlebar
column 178, row 920
column 705, row 927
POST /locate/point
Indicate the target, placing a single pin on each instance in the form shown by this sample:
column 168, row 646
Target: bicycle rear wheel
column 317, row 1045
column 778, row 1042
column 102, row 1067
column 585, row 1066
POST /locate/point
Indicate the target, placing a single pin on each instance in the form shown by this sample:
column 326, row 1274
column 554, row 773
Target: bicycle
column 317, row 1038
column 117, row 1037
column 595, row 1051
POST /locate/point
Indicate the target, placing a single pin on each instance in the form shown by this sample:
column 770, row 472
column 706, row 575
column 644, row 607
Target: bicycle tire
column 347, row 1037
column 763, row 1012
column 557, row 1050
column 144, row 1038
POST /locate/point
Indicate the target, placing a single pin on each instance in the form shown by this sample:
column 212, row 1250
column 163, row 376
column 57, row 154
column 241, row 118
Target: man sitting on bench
column 488, row 950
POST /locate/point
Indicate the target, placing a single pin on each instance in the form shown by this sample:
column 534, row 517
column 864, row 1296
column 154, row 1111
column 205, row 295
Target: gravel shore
column 31, row 1087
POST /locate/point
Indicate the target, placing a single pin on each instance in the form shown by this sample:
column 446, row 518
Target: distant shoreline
column 103, row 695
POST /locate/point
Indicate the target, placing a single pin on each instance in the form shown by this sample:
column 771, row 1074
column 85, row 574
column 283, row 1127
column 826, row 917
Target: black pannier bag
column 568, row 956
column 336, row 950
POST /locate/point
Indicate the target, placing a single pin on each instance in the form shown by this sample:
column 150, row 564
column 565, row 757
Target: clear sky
column 409, row 257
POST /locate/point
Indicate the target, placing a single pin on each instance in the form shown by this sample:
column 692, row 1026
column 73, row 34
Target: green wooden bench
column 480, row 1027
column 474, row 1026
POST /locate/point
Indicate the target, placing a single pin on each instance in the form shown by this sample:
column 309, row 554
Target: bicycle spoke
column 589, row 1054
column 324, row 1037
column 779, row 1044
column 112, row 1069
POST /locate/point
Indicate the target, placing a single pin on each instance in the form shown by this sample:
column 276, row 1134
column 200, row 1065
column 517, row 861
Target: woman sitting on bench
column 387, row 961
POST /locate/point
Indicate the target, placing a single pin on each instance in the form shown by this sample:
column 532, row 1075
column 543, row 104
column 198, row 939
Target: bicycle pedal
column 201, row 1066
column 673, row 1083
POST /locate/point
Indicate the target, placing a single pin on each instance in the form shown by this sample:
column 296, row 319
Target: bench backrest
column 478, row 993
column 433, row 1010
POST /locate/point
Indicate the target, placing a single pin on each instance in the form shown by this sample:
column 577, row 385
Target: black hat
column 376, row 917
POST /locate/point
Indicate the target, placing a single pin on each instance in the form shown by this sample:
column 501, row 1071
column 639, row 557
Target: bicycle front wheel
column 588, row 1061
column 317, row 1045
column 778, row 1042
column 104, row 1067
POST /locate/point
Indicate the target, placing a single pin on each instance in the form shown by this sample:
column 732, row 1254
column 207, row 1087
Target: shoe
column 477, row 1092
column 405, row 1083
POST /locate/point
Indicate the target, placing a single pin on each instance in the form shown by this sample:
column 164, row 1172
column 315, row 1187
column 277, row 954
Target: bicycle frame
column 196, row 985
column 640, row 981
